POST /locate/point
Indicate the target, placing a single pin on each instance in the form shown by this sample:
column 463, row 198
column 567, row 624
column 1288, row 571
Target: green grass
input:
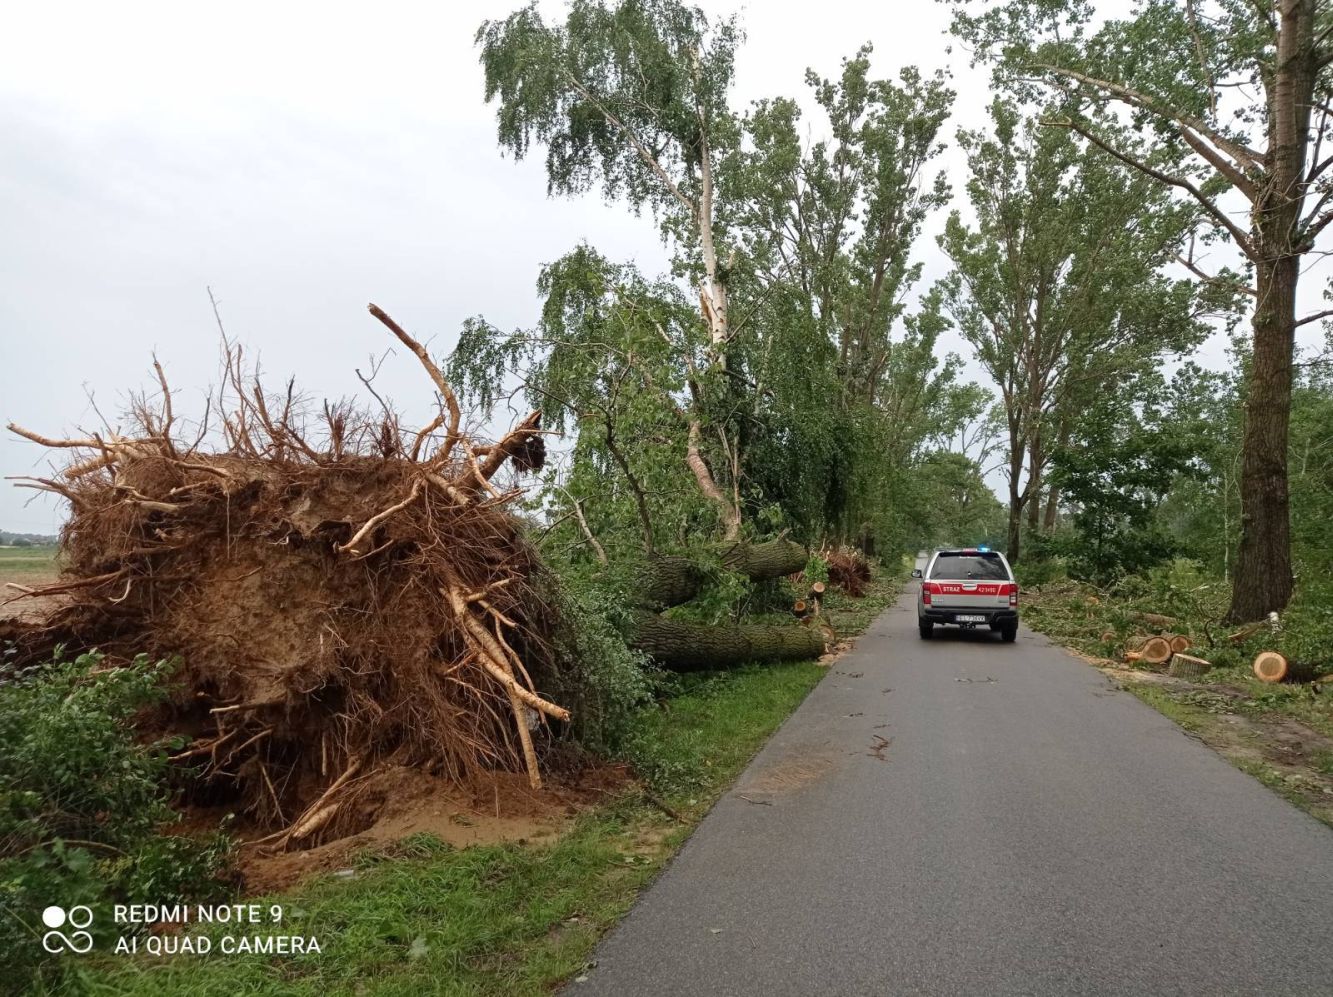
column 24, row 562
column 508, row 919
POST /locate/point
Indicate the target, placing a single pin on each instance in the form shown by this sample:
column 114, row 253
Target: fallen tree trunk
column 671, row 581
column 1156, row 620
column 680, row 646
column 770, row 559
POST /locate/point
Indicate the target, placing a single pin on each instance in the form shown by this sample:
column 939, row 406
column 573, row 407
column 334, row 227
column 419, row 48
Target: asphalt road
column 962, row 816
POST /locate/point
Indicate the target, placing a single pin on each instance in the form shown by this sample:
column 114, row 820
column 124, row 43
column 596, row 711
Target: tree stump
column 1186, row 666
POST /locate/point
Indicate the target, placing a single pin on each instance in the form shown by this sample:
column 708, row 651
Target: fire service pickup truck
column 967, row 588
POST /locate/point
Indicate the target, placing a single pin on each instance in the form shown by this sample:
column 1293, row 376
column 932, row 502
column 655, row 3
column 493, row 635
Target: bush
column 1037, row 571
column 83, row 805
column 605, row 681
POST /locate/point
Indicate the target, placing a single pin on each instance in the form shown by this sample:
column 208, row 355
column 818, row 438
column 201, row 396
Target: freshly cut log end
column 799, row 607
column 1180, row 643
column 1156, row 651
column 1270, row 666
column 1132, row 656
column 817, row 588
column 1186, row 666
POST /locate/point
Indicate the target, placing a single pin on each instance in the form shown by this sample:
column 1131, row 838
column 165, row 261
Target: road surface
column 962, row 816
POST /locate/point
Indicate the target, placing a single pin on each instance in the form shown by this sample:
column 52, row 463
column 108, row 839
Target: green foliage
column 658, row 67
column 612, row 681
column 816, row 569
column 83, row 805
column 1058, row 286
column 1306, row 630
column 856, row 388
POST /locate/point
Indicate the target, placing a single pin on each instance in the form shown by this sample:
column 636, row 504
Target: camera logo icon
column 77, row 941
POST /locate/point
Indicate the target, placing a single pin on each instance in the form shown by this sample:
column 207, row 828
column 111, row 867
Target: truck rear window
column 955, row 566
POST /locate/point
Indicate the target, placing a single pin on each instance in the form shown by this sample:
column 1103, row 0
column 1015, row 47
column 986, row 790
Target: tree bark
column 1263, row 579
column 1015, row 524
column 770, row 559
column 1052, row 509
column 679, row 646
column 670, row 581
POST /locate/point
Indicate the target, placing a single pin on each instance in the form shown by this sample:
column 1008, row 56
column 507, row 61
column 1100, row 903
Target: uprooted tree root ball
column 344, row 597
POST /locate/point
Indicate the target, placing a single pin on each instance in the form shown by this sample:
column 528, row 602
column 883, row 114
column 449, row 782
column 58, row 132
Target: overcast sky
column 302, row 160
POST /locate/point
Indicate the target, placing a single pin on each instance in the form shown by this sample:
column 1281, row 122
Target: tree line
column 785, row 377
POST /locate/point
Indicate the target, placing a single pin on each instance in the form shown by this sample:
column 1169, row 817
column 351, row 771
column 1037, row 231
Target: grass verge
column 1280, row 734
column 421, row 917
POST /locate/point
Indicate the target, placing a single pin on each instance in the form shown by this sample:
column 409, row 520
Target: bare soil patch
column 409, row 802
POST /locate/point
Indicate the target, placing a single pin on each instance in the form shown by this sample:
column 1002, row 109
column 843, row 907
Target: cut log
column 1108, row 636
column 1270, row 666
column 1186, row 666
column 817, row 588
column 1179, row 642
column 1133, row 656
column 680, row 646
column 800, row 607
column 1156, row 651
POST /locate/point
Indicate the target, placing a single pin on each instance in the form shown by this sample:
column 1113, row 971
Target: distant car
column 968, row 588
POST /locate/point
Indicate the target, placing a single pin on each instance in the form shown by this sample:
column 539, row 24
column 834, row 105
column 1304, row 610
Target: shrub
column 604, row 680
column 83, row 805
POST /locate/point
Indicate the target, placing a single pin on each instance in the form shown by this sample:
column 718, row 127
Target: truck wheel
column 926, row 628
column 1009, row 633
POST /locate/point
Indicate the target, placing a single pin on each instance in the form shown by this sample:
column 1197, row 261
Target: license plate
column 970, row 619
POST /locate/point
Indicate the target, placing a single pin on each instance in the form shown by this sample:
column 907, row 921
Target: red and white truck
column 968, row 587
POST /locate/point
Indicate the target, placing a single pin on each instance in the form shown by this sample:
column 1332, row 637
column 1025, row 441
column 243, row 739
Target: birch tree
column 633, row 99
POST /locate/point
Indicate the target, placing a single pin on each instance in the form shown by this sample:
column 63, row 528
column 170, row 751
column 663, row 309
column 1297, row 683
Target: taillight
column 1013, row 593
column 927, row 590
